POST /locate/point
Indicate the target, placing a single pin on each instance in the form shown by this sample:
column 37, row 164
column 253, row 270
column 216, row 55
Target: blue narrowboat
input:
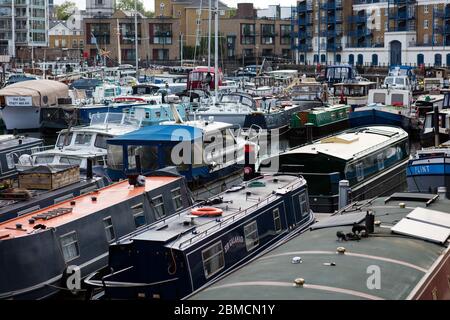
column 180, row 255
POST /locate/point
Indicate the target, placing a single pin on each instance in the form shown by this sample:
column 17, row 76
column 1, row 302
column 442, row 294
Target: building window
column 161, row 54
column 438, row 60
column 420, row 59
column 448, row 59
column 138, row 215
column 285, row 34
column 277, row 220
column 177, row 200
column 109, row 229
column 251, row 235
column 425, row 24
column 248, row 33
column 323, row 58
column 374, row 60
column 98, row 33
column 386, row 26
column 425, row 9
column 426, row 38
column 158, row 204
column 127, row 33
column 267, row 34
column 160, row 33
column 69, row 245
column 213, row 259
column 360, row 59
column 338, row 58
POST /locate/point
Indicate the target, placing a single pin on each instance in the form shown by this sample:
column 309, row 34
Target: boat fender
column 207, row 212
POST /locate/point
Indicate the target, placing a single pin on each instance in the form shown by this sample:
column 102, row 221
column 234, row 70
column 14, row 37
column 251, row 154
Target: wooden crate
column 49, row 177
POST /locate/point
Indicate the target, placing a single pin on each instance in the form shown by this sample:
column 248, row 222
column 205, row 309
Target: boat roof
column 176, row 232
column 42, row 92
column 430, row 97
column 167, row 133
column 106, row 197
column 355, row 84
column 403, row 261
column 9, row 140
column 353, row 143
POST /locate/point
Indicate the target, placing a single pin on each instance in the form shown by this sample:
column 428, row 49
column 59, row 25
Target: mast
column 13, row 25
column 209, row 36
column 119, row 52
column 216, row 51
column 136, row 37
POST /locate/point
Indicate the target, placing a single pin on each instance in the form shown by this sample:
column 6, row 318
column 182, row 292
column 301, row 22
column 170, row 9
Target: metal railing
column 240, row 213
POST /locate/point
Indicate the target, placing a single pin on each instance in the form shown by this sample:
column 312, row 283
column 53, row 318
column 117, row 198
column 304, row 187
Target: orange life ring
column 207, row 212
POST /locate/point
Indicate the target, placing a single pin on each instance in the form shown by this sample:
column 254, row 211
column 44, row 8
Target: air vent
column 52, row 214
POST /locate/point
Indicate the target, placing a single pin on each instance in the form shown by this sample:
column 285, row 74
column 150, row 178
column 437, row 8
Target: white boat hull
column 21, row 118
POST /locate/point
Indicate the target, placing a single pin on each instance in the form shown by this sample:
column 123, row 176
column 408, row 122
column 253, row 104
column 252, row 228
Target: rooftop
column 403, row 260
column 105, row 198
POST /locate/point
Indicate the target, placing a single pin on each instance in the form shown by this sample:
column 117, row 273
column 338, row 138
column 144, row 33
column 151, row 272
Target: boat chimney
column 344, row 193
column 89, row 173
column 138, row 164
column 436, row 126
column 249, row 161
column 370, row 221
column 442, row 192
column 309, row 135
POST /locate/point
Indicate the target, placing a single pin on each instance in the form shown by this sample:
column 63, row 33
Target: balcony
column 360, row 33
column 334, row 47
column 403, row 16
column 305, row 21
column 304, row 47
column 304, row 7
column 357, row 19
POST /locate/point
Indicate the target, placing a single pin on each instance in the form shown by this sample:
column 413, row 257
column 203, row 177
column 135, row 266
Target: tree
column 65, row 10
column 129, row 5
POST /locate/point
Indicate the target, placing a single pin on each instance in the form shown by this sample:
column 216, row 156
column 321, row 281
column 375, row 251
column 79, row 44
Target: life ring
column 207, row 212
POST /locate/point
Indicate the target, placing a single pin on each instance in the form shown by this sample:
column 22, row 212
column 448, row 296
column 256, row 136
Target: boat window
column 64, row 139
column 43, row 159
column 359, row 171
column 379, row 97
column 10, row 160
column 397, row 98
column 213, row 259
column 109, row 92
column 158, row 204
column 109, row 229
column 251, row 235
column 380, row 161
column 138, row 215
column 148, row 157
column 69, row 245
column 100, row 141
column 303, row 199
column 70, row 160
column 277, row 220
column 115, row 157
column 83, row 139
column 388, row 80
column 176, row 196
column 400, row 81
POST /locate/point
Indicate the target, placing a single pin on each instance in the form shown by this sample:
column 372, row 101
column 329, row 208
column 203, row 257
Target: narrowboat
column 429, row 169
column 11, row 149
column 323, row 120
column 428, row 132
column 21, row 103
column 37, row 193
column 40, row 250
column 388, row 248
column 385, row 107
column 373, row 160
column 206, row 152
column 180, row 255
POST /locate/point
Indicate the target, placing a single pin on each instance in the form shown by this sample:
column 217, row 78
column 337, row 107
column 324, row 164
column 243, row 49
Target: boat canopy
column 42, row 92
column 162, row 133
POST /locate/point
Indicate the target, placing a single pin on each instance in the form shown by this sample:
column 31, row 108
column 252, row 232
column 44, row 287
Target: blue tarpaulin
column 158, row 133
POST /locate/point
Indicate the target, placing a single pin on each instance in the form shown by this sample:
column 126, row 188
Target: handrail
column 233, row 216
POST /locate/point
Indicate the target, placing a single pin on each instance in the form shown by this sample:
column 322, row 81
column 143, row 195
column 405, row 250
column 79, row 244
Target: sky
column 149, row 4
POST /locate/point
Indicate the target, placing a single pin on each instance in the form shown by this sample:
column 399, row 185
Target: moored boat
column 46, row 246
column 372, row 160
column 180, row 255
column 389, row 248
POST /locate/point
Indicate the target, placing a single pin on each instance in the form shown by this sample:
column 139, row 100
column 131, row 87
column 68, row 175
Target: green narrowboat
column 325, row 120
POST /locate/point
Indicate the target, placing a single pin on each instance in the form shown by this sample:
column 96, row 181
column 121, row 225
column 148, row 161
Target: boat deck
column 84, row 205
column 177, row 230
column 402, row 262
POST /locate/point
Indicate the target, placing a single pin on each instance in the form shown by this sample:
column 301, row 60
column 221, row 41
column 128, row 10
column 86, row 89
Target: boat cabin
column 354, row 93
column 202, row 78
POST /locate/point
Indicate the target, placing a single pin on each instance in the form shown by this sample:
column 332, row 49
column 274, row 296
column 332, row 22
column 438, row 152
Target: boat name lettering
column 422, row 169
column 233, row 241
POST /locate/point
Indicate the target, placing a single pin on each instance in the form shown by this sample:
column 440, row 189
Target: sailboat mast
column 119, row 50
column 216, row 50
column 209, row 36
column 136, row 37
